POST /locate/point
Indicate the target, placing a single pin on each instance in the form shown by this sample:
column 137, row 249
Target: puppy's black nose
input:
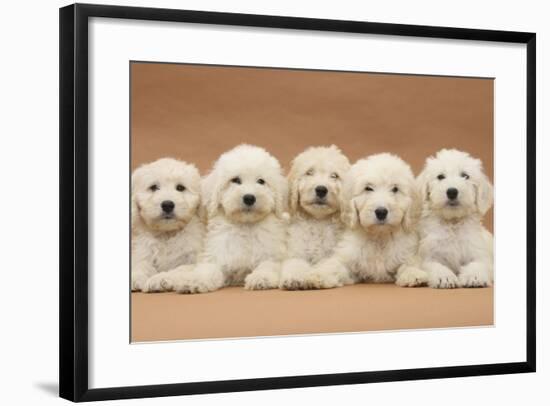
column 452, row 193
column 381, row 213
column 249, row 200
column 167, row 206
column 321, row 191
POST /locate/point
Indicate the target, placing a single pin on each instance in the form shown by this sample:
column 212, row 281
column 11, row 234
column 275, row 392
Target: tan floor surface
column 235, row 312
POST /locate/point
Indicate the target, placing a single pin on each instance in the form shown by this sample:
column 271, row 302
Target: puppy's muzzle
column 249, row 200
column 381, row 213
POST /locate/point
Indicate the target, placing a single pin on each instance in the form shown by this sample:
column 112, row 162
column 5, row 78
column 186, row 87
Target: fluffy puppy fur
column 245, row 197
column 314, row 179
column 166, row 229
column 457, row 251
column 381, row 207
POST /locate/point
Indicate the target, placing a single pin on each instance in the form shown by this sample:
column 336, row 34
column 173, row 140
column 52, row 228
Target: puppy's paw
column 265, row 276
column 443, row 279
column 296, row 281
column 194, row 284
column 204, row 278
column 258, row 280
column 138, row 281
column 473, row 281
column 472, row 277
column 294, row 275
column 328, row 274
column 323, row 279
column 161, row 282
column 411, row 277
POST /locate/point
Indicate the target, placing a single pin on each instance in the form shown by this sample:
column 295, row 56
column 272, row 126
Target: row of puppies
column 329, row 224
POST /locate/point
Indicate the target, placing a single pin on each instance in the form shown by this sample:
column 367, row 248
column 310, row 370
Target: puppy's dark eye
column 465, row 175
column 180, row 188
column 395, row 189
column 440, row 176
column 261, row 181
column 310, row 172
column 236, row 180
column 369, row 189
column 154, row 188
column 334, row 175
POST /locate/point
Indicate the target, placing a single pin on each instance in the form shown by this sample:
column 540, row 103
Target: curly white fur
column 245, row 242
column 376, row 247
column 314, row 179
column 457, row 251
column 164, row 238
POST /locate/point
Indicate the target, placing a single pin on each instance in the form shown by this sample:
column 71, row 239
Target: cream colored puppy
column 245, row 197
column 382, row 207
column 457, row 251
column 166, row 230
column 315, row 181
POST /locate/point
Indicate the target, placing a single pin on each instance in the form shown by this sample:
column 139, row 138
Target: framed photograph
column 257, row 202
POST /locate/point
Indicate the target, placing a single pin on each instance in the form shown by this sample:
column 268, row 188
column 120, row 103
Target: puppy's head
column 245, row 185
column 165, row 194
column 380, row 194
column 315, row 181
column 454, row 186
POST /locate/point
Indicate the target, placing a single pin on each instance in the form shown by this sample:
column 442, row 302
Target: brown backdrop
column 196, row 112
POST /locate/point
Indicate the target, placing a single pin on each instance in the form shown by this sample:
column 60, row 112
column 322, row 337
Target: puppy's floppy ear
column 210, row 195
column 414, row 211
column 350, row 215
column 195, row 187
column 134, row 208
column 134, row 211
column 422, row 187
column 348, row 211
column 294, row 193
column 281, row 196
column 484, row 194
column 201, row 210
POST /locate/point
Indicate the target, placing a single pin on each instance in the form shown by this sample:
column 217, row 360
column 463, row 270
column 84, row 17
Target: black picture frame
column 73, row 254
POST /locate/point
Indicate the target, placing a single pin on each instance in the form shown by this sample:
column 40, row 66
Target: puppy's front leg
column 203, row 278
column 329, row 273
column 142, row 264
column 410, row 275
column 141, row 271
column 294, row 274
column 164, row 281
column 439, row 276
column 476, row 274
column 265, row 276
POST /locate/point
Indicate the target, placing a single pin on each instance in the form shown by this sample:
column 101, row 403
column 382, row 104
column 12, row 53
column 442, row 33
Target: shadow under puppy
column 315, row 183
column 381, row 208
column 245, row 197
column 456, row 249
column 166, row 229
